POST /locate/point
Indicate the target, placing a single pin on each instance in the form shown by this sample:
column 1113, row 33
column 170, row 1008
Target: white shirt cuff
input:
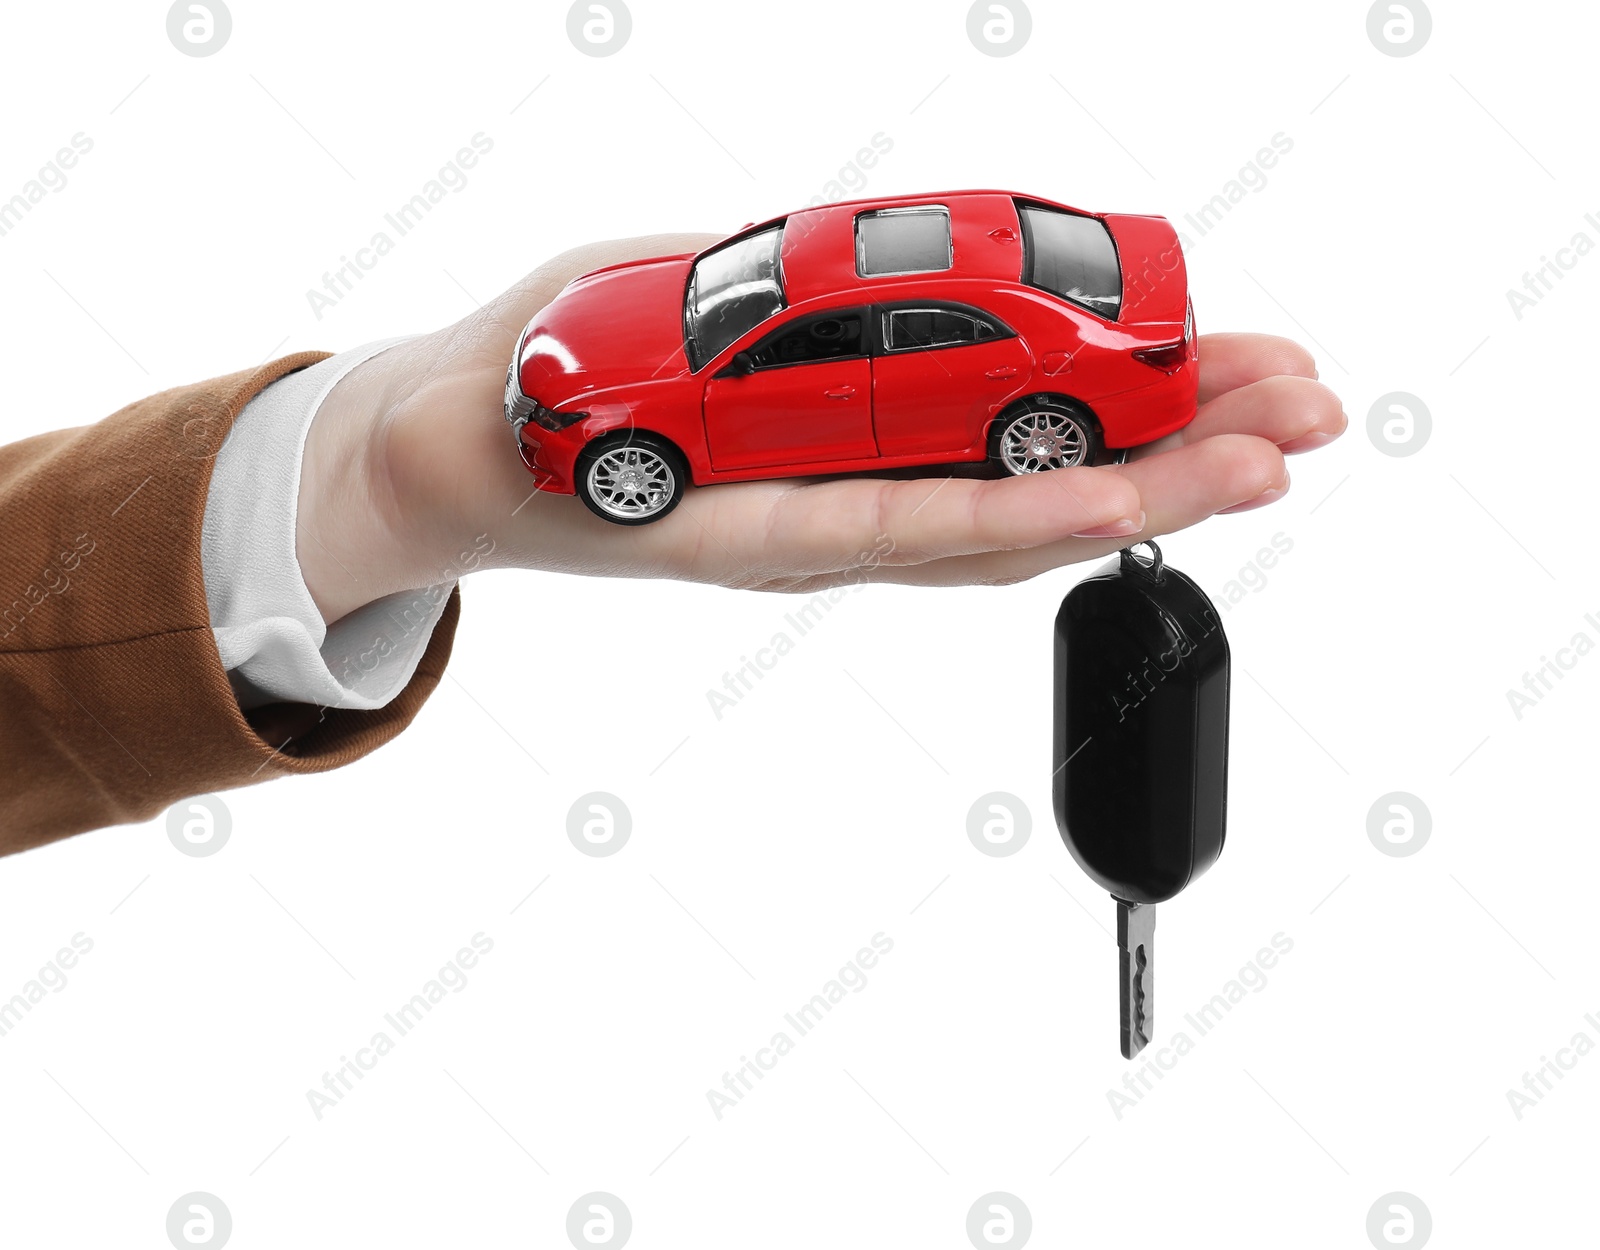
column 270, row 635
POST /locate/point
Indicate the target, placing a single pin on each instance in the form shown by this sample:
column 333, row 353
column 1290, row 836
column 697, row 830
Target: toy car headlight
column 547, row 419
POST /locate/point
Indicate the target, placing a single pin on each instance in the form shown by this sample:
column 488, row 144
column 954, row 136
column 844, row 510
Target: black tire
column 1065, row 422
column 660, row 474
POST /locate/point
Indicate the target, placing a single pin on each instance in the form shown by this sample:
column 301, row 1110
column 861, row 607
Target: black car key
column 1141, row 750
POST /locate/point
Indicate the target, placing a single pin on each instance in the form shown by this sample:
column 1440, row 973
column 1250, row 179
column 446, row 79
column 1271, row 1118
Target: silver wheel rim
column 631, row 482
column 1043, row 439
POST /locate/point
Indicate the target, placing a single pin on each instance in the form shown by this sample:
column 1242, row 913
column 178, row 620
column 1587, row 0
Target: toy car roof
column 819, row 247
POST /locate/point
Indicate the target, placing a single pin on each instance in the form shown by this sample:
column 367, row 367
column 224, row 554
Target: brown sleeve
column 113, row 701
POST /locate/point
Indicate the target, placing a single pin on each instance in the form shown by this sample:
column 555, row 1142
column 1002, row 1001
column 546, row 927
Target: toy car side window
column 903, row 240
column 921, row 328
column 827, row 336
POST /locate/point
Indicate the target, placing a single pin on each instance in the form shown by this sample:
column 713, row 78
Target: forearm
column 276, row 642
column 115, row 701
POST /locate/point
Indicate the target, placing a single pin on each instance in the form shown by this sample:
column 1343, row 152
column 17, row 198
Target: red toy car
column 874, row 334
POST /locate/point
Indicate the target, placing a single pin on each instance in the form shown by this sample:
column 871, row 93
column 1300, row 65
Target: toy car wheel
column 1044, row 433
column 631, row 478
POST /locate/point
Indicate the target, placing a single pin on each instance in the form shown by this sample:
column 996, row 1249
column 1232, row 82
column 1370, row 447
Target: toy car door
column 941, row 373
column 802, row 394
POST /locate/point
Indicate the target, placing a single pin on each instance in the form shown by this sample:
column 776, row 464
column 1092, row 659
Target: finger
column 1178, row 489
column 1229, row 361
column 775, row 530
column 1296, row 413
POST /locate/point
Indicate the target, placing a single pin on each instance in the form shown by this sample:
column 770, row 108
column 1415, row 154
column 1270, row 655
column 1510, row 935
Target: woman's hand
column 410, row 460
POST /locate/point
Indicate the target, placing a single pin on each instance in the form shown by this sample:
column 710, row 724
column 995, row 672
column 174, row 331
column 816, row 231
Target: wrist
column 351, row 536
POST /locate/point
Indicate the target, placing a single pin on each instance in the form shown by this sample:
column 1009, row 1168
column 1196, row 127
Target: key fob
column 1141, row 728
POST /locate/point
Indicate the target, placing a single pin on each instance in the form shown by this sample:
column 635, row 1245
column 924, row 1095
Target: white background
column 831, row 803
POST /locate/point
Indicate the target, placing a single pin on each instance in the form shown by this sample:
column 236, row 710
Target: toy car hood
column 641, row 305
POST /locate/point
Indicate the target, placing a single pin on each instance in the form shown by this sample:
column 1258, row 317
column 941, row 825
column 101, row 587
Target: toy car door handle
column 1003, row 371
column 840, row 392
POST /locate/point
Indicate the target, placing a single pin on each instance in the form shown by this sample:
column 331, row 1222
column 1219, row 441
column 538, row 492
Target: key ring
column 1151, row 568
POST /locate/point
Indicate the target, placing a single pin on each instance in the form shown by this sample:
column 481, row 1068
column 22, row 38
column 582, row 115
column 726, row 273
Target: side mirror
column 744, row 364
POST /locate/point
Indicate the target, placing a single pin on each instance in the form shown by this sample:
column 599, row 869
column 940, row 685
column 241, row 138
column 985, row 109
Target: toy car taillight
column 1169, row 357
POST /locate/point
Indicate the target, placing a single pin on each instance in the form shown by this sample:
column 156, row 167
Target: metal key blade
column 1136, row 938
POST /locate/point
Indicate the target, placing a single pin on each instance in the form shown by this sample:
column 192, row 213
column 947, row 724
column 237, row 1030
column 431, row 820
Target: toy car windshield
column 1071, row 256
column 732, row 290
